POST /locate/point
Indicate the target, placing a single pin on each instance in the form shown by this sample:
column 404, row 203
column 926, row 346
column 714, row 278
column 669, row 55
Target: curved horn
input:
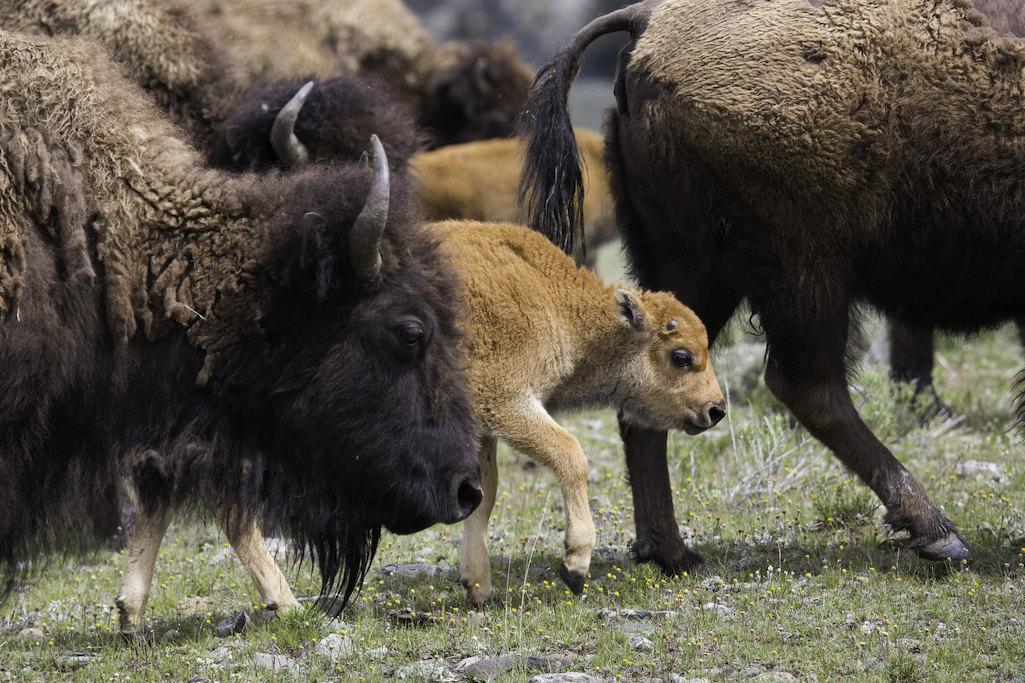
column 365, row 238
column 282, row 135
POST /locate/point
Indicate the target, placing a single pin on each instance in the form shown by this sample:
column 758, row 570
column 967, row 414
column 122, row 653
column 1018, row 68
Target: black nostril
column 469, row 497
column 716, row 413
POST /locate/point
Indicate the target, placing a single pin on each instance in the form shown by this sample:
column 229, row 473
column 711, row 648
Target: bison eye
column 412, row 334
column 681, row 358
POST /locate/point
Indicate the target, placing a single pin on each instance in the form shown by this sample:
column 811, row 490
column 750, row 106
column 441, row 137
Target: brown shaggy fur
column 462, row 91
column 479, row 181
column 163, row 46
column 544, row 335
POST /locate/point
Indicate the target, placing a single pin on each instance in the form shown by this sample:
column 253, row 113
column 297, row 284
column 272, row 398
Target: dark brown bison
column 282, row 346
column 805, row 157
column 911, row 347
column 294, row 122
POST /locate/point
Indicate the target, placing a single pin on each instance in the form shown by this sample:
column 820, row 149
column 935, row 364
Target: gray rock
column 236, row 624
column 32, row 633
column 378, row 653
column 222, row 655
column 718, row 608
column 639, row 643
column 983, row 471
column 631, row 628
column 486, row 668
column 681, row 679
column 427, row 670
column 276, row 663
column 617, row 615
column 776, row 677
column 752, row 671
column 415, row 570
column 76, row 661
column 335, row 647
column 567, row 677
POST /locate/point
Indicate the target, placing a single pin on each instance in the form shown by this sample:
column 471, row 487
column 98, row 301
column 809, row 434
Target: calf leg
column 271, row 584
column 808, row 375
column 474, row 563
column 148, row 531
column 532, row 431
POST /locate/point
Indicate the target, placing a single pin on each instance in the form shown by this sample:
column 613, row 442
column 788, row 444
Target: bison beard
column 797, row 165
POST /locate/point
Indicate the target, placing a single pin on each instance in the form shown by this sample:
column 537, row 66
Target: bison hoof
column 479, row 595
column 673, row 561
column 951, row 547
column 573, row 580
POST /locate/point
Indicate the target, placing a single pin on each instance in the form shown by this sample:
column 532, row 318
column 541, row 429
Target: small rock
column 378, row 653
column 76, row 661
column 752, row 671
column 427, row 670
column 416, row 570
column 639, row 643
column 485, row 668
column 199, row 679
column 335, row 647
column 232, row 625
column 713, row 583
column 32, row 633
column 983, row 471
column 718, row 608
column 276, row 663
column 568, row 677
column 223, row 654
column 680, row 679
column 776, row 677
column 631, row 628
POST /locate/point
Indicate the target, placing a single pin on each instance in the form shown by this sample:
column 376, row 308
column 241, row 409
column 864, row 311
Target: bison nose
column 714, row 412
column 468, row 497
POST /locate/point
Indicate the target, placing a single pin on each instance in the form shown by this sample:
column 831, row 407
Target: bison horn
column 365, row 239
column 282, row 135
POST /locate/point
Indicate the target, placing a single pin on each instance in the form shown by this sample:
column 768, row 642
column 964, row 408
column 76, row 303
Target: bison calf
column 544, row 335
column 479, row 181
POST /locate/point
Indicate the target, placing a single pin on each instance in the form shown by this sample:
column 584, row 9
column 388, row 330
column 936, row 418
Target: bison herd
column 221, row 287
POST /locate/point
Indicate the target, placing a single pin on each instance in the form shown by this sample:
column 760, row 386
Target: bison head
column 480, row 94
column 668, row 381
column 359, row 395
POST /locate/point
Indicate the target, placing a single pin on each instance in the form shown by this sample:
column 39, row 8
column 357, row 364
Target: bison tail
column 551, row 185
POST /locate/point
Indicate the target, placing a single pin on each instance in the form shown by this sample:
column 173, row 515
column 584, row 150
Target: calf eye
column 681, row 358
column 412, row 334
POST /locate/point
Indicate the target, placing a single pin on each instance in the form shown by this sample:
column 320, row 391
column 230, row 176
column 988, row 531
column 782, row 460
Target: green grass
column 800, row 575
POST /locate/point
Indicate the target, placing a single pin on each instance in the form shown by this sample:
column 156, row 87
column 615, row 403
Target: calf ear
column 630, row 308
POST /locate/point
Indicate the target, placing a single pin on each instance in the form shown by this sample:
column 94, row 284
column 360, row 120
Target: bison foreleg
column 147, row 533
column 271, row 584
column 474, row 562
column 532, row 431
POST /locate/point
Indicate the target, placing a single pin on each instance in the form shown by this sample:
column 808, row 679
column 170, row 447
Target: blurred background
column 538, row 27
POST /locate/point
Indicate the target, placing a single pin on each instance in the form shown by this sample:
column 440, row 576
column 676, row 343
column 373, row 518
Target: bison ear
column 630, row 309
column 316, row 254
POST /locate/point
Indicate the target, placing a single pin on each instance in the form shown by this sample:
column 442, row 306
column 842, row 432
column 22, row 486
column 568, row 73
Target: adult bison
column 282, row 346
column 805, row 157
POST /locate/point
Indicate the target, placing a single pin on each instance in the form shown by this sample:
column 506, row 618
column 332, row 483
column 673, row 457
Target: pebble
column 276, row 663
column 415, row 570
column 718, row 608
column 335, row 647
column 639, row 643
column 486, row 668
column 776, row 677
column 984, row 471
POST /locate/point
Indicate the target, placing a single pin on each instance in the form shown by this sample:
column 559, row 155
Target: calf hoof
column 951, row 547
column 573, row 580
column 479, row 595
column 672, row 560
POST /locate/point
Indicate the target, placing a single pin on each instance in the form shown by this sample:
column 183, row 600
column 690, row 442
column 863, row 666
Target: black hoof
column 951, row 547
column 672, row 561
column 573, row 580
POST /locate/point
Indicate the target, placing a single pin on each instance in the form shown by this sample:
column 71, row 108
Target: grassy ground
column 800, row 578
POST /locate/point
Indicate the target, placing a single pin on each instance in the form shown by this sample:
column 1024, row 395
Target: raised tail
column 552, row 186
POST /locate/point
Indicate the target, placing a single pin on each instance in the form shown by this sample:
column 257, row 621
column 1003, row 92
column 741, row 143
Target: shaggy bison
column 284, row 345
column 459, row 91
column 805, row 157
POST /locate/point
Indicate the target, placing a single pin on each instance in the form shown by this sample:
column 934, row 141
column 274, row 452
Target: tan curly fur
column 172, row 235
column 480, row 180
column 163, row 46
